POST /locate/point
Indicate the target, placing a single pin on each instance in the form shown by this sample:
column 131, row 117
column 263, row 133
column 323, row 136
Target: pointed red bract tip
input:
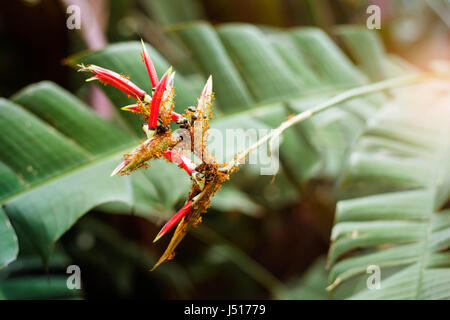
column 116, row 80
column 180, row 214
column 150, row 67
column 181, row 160
column 135, row 108
column 207, row 89
column 156, row 101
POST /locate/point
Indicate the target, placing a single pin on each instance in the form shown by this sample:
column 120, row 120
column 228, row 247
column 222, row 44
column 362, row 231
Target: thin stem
column 339, row 98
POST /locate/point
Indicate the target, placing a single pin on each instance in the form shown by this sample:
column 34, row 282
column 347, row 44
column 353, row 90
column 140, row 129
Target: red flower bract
column 180, row 214
column 150, row 67
column 181, row 160
column 156, row 101
column 135, row 108
column 116, row 80
column 175, row 116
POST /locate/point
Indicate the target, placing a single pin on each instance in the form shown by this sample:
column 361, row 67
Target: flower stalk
column 340, row 98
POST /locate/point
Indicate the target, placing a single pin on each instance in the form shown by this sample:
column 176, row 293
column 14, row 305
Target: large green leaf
column 56, row 159
column 8, row 241
column 312, row 284
column 167, row 12
column 265, row 72
column 205, row 47
column 51, row 176
column 396, row 181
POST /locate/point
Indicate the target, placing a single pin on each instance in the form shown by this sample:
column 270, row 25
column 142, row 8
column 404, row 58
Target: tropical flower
column 161, row 142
